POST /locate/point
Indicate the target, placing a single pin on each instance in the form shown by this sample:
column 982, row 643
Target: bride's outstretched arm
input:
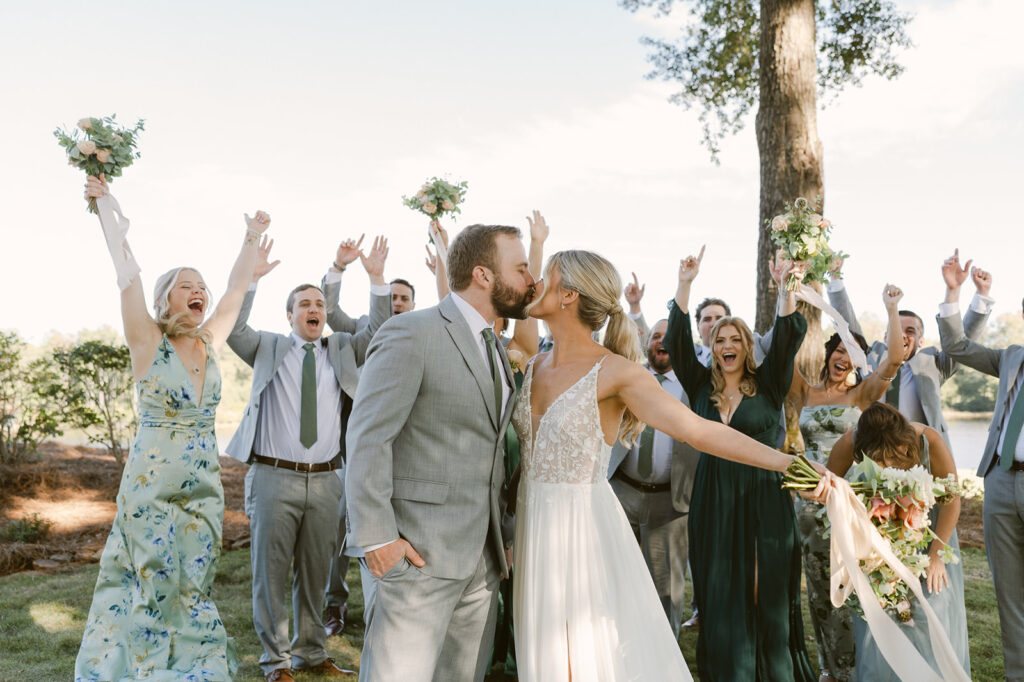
column 642, row 395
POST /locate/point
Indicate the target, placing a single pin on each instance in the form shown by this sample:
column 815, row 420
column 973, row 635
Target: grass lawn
column 42, row 618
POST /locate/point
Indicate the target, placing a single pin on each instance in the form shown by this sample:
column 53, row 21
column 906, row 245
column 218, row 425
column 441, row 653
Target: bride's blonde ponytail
column 599, row 286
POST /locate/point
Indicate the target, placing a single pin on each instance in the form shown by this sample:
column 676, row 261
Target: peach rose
column 87, row 147
column 420, row 194
column 825, row 223
column 779, row 223
column 103, row 155
column 430, row 207
column 880, row 509
column 447, row 205
column 85, row 123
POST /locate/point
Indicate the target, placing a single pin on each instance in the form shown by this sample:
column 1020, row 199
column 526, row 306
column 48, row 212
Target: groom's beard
column 508, row 302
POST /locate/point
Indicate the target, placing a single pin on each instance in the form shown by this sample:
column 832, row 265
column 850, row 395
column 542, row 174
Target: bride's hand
column 825, row 485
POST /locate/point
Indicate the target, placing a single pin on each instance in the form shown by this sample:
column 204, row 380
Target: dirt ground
column 74, row 488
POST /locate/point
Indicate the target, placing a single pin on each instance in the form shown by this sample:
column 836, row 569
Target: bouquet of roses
column 437, row 198
column 897, row 501
column 100, row 145
column 802, row 234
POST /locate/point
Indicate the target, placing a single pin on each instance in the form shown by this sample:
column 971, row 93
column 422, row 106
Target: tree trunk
column 791, row 160
column 787, row 128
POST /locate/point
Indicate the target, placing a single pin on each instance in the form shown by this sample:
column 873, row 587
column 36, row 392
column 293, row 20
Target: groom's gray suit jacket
column 425, row 444
column 1003, row 363
column 930, row 366
column 265, row 351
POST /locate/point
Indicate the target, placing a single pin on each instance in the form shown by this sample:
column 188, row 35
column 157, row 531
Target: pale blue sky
column 325, row 113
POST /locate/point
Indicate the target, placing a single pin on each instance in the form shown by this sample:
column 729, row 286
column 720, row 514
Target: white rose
column 87, row 147
column 779, row 223
column 103, row 155
column 85, row 123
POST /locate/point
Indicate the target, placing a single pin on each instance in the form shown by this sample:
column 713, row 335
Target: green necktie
column 495, row 369
column 892, row 394
column 645, row 461
column 1013, row 426
column 307, row 409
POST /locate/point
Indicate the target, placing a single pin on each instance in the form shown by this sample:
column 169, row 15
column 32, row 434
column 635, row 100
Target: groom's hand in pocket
column 383, row 559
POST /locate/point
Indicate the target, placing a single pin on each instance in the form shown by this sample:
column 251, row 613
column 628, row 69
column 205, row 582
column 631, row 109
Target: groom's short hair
column 475, row 245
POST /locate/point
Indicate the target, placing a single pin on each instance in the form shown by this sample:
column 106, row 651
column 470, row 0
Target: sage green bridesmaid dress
column 152, row 616
column 742, row 524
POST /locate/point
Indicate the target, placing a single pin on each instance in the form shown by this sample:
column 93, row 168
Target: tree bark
column 787, row 128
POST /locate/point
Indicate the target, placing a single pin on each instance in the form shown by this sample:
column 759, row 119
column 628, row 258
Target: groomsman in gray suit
column 1002, row 467
column 654, row 481
column 914, row 390
column 293, row 434
column 426, row 471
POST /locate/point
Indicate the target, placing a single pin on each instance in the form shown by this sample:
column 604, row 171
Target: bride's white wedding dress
column 583, row 596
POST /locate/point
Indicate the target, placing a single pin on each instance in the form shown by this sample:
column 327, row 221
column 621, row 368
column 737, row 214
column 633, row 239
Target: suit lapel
column 458, row 329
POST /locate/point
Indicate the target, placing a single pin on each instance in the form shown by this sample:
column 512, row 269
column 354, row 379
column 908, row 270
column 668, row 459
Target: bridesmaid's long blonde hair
column 748, row 384
column 598, row 283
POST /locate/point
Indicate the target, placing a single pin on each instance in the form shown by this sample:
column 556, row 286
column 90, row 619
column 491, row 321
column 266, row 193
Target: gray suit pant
column 294, row 518
column 661, row 531
column 421, row 629
column 337, row 588
column 1004, row 543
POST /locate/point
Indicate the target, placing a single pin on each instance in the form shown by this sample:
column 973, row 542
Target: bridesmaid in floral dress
column 827, row 411
column 152, row 616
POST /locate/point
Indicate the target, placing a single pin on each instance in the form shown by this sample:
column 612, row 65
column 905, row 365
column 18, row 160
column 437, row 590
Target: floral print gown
column 152, row 616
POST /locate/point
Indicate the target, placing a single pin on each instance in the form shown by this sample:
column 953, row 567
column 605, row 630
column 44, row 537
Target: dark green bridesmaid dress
column 741, row 518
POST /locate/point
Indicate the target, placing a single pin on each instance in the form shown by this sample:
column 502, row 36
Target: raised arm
column 957, row 337
column 243, row 339
column 223, row 319
column 678, row 339
column 435, row 263
column 337, row 319
column 140, row 330
column 877, row 383
column 840, row 298
column 380, row 306
column 526, row 333
column 634, row 293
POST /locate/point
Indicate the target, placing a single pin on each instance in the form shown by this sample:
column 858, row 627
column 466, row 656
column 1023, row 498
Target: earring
column 563, row 306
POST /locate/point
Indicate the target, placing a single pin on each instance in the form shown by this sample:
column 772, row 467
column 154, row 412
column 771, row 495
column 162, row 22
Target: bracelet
column 252, row 237
column 339, row 268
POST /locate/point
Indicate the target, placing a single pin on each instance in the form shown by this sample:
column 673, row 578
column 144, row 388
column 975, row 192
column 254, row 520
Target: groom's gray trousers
column 420, row 628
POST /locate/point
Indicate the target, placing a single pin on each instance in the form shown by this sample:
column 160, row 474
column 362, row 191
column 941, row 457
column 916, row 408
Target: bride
column 585, row 606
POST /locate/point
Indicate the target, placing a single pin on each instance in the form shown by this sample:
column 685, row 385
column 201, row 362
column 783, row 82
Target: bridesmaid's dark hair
column 830, row 348
column 882, row 432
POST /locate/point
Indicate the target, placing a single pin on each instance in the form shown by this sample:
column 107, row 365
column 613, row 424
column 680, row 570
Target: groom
column 425, row 470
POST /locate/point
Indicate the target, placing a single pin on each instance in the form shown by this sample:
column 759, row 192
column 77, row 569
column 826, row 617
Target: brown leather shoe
column 327, row 669
column 280, row 675
column 334, row 619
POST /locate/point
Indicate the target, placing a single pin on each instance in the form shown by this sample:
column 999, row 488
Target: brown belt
column 640, row 485
column 1017, row 465
column 304, row 467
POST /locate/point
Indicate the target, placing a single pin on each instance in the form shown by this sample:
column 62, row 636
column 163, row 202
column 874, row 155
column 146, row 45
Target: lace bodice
column 568, row 446
column 823, row 425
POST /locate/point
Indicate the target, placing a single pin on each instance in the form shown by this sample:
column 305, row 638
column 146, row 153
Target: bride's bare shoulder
column 617, row 369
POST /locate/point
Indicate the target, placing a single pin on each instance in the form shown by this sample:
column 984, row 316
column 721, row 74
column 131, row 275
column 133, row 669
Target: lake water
column 968, row 436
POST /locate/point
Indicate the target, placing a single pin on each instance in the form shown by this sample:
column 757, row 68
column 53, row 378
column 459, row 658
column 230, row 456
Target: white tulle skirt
column 583, row 595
